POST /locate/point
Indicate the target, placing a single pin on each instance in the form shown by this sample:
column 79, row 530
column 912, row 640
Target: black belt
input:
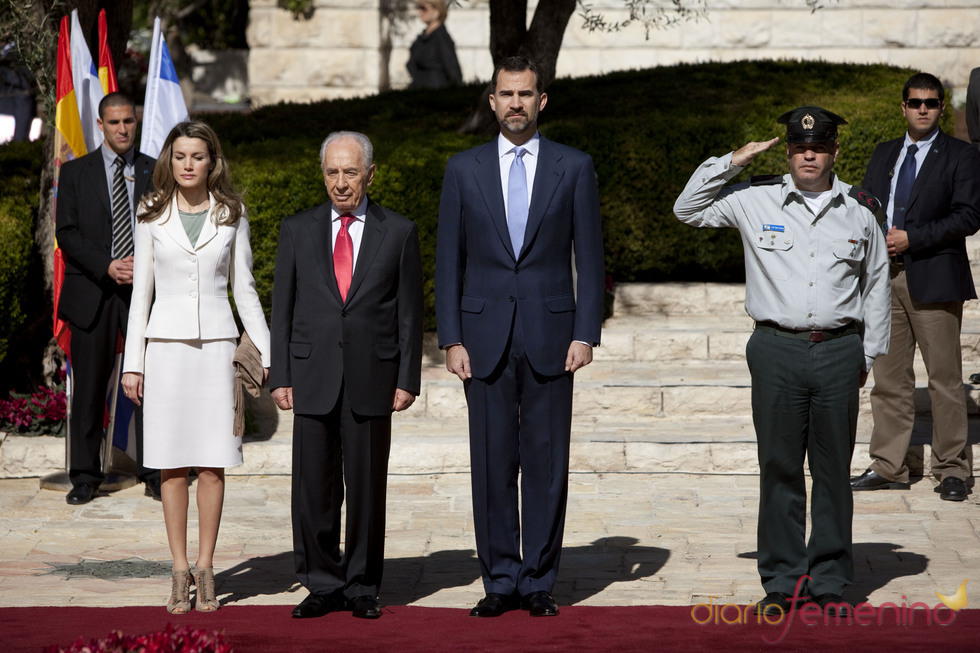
column 896, row 263
column 806, row 334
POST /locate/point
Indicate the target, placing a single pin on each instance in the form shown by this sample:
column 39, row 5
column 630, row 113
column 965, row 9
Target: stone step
column 718, row 301
column 697, row 446
column 638, row 391
column 669, row 389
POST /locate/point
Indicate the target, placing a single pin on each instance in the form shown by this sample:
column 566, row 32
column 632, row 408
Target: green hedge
column 646, row 130
column 19, row 183
column 653, row 128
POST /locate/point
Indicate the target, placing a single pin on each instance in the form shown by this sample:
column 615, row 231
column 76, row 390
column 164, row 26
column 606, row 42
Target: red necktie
column 343, row 255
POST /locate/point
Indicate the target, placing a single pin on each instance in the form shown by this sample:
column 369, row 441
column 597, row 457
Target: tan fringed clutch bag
column 248, row 376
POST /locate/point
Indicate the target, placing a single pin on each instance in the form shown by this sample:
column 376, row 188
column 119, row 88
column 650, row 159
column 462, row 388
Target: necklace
column 193, row 208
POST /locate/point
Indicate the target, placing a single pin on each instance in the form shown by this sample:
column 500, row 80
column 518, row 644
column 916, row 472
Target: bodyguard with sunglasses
column 929, row 183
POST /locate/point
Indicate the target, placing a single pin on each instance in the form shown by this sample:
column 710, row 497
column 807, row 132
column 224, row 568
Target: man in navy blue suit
column 929, row 183
column 516, row 325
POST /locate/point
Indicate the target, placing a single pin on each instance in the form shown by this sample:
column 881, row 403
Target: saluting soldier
column 816, row 268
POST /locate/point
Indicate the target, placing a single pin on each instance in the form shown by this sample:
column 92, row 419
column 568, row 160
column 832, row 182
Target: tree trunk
column 508, row 27
column 509, row 35
column 543, row 40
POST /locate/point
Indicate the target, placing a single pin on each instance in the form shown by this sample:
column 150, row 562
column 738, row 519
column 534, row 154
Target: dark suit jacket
column 973, row 107
column 481, row 281
column 432, row 61
column 84, row 231
column 372, row 343
column 943, row 210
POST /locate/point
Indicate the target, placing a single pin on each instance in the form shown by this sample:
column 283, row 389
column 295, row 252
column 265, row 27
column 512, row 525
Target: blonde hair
column 440, row 6
column 157, row 201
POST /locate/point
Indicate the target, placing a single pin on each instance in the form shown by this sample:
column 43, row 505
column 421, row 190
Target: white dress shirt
column 129, row 173
column 505, row 152
column 920, row 156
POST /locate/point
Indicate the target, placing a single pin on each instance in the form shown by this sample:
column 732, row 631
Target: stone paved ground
column 631, row 539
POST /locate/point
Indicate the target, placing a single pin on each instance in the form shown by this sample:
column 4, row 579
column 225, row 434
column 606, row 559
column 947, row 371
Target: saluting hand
column 743, row 156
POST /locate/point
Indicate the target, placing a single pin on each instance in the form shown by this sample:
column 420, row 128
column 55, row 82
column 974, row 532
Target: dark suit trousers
column 519, row 420
column 805, row 404
column 92, row 360
column 329, row 452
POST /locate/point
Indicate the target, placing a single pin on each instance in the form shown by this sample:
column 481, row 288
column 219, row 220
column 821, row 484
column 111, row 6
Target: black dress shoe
column 365, row 607
column 950, row 489
column 317, row 605
column 152, row 489
column 834, row 604
column 539, row 604
column 494, row 605
column 870, row 480
column 775, row 603
column 80, row 494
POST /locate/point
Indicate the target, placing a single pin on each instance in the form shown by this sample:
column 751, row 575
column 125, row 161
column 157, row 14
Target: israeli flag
column 164, row 104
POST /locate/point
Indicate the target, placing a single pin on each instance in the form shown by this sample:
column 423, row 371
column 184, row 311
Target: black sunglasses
column 915, row 103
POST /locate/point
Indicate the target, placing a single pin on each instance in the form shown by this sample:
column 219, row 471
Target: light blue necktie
column 903, row 187
column 517, row 201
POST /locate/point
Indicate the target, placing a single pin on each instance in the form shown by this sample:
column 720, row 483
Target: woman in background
column 432, row 60
column 191, row 241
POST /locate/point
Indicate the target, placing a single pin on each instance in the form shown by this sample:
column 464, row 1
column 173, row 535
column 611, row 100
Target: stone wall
column 350, row 48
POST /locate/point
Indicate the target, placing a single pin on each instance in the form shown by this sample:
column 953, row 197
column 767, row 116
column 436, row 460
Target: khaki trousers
column 936, row 330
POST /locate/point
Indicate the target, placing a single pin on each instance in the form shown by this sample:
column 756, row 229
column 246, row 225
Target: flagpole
column 114, row 479
column 60, row 481
column 110, row 431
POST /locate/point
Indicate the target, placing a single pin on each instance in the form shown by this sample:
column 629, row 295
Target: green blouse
column 193, row 224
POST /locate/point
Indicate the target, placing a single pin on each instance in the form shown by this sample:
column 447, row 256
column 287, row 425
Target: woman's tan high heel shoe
column 180, row 593
column 206, row 599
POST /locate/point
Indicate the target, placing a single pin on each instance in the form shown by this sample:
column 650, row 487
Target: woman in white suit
column 191, row 241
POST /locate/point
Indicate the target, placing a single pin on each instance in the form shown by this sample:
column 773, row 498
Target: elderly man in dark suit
column 97, row 194
column 516, row 326
column 930, row 185
column 346, row 352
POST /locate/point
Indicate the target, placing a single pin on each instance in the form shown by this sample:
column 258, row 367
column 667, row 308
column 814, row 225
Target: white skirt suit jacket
column 183, row 339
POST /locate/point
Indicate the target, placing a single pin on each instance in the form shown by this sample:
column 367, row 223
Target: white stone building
column 351, row 48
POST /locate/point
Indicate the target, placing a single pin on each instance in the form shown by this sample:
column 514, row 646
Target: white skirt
column 189, row 404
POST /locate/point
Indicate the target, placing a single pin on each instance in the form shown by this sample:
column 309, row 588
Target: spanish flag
column 69, row 139
column 107, row 71
column 69, row 143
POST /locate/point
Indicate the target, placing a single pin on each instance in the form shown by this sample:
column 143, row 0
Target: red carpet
column 410, row 629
